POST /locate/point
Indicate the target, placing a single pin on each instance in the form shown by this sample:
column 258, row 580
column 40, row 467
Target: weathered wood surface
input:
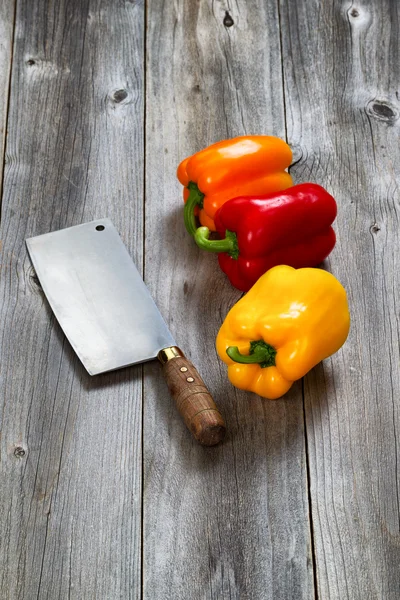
column 104, row 494
column 70, row 505
column 342, row 96
column 7, row 13
column 232, row 521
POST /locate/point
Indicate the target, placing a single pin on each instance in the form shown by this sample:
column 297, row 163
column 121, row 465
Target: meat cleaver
column 110, row 319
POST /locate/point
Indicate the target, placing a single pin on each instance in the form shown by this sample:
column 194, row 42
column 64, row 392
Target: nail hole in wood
column 30, row 62
column 375, row 228
column 228, row 21
column 100, row 228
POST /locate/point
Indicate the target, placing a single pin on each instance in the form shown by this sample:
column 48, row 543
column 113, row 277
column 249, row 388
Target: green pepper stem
column 228, row 244
column 260, row 353
column 195, row 198
column 247, row 359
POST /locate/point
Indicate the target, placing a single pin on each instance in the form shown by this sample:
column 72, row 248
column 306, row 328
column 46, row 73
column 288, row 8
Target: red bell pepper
column 291, row 227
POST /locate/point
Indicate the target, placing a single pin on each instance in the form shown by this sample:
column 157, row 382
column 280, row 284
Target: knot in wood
column 383, row 111
column 120, row 96
column 354, row 13
column 375, row 228
column 30, row 62
column 33, row 279
column 228, row 21
column 297, row 154
column 19, row 452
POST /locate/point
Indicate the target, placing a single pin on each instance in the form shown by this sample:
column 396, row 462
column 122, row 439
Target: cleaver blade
column 110, row 319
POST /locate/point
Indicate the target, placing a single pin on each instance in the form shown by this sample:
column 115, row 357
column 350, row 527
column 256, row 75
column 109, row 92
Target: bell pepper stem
column 228, row 244
column 195, row 198
column 260, row 353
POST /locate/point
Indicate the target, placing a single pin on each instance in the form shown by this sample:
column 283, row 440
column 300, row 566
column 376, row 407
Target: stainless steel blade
column 98, row 296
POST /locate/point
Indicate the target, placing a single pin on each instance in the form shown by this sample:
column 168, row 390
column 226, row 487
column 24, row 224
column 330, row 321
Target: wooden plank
column 70, row 505
column 229, row 521
column 7, row 13
column 341, row 82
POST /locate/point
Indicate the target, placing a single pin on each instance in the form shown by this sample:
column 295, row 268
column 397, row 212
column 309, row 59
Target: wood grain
column 230, row 521
column 341, row 87
column 7, row 14
column 70, row 504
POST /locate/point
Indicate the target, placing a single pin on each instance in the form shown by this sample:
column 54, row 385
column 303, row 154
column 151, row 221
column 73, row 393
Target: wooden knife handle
column 192, row 398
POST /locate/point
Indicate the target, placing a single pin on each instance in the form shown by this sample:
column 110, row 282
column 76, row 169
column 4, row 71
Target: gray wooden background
column 104, row 495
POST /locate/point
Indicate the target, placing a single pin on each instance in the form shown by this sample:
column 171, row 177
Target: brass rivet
column 190, row 379
column 183, row 369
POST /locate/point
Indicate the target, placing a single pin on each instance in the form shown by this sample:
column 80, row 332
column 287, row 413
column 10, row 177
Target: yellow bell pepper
column 287, row 323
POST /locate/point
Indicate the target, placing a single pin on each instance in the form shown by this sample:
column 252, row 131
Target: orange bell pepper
column 241, row 166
